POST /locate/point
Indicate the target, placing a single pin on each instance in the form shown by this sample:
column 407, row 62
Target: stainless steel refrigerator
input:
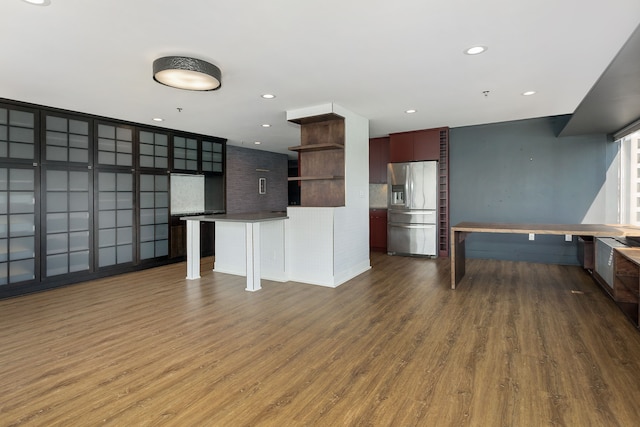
column 412, row 208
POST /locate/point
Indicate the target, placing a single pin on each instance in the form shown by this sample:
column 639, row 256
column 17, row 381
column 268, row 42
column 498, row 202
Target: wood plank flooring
column 517, row 344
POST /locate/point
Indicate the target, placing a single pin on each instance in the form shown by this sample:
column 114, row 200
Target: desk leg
column 457, row 257
column 252, row 236
column 193, row 250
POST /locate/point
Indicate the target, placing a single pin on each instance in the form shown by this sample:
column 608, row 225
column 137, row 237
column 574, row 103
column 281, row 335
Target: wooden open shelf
column 314, row 178
column 317, row 119
column 321, row 161
column 316, row 147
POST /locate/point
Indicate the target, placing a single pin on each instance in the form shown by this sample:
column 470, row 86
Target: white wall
column 352, row 222
column 310, row 245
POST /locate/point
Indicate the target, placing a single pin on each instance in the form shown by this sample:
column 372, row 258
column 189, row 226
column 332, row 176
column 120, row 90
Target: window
column 630, row 179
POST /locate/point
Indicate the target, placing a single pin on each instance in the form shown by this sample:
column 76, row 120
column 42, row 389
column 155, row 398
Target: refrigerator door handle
column 407, row 185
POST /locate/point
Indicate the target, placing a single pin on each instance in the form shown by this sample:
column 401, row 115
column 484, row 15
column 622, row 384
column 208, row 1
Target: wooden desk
column 460, row 231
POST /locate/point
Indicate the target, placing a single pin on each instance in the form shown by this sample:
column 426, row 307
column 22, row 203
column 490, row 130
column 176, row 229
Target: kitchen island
column 238, row 246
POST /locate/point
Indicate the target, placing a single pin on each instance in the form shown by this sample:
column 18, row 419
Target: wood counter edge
column 596, row 230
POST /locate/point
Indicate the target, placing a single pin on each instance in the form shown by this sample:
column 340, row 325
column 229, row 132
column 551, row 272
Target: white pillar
column 252, row 239
column 193, row 249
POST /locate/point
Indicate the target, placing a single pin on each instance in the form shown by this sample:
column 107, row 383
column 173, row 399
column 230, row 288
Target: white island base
column 251, row 245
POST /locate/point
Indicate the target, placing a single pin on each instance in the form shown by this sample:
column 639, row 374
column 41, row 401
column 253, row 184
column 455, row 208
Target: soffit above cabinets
column 614, row 101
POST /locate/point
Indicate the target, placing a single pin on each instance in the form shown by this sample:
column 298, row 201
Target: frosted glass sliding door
column 17, row 225
column 115, row 218
column 154, row 216
column 67, row 221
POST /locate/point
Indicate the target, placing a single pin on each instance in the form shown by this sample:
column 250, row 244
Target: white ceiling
column 376, row 58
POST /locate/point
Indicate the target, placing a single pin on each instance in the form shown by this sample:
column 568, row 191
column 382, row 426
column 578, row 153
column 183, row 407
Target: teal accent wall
column 520, row 172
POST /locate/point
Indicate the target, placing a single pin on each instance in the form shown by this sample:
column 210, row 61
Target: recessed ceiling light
column 410, row 111
column 38, row 2
column 268, row 96
column 529, row 93
column 475, row 50
column 158, row 119
column 257, row 142
column 266, row 125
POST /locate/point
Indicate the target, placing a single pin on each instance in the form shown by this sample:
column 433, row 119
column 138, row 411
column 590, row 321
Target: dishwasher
column 604, row 247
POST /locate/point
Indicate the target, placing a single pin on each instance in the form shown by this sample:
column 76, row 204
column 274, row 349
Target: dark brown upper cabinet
column 414, row 146
column 378, row 159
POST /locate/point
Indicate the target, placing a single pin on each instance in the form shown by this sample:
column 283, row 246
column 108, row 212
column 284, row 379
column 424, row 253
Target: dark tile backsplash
column 244, row 167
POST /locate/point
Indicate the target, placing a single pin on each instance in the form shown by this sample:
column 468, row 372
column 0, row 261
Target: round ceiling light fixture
column 186, row 73
column 268, row 96
column 475, row 50
column 529, row 93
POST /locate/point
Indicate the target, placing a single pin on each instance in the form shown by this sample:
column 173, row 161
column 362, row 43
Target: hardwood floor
column 517, row 344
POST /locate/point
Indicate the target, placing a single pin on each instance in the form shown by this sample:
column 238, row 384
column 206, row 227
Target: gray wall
column 520, row 172
column 242, row 180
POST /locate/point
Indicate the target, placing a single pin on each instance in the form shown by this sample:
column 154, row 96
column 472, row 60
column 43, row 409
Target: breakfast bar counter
column 238, row 245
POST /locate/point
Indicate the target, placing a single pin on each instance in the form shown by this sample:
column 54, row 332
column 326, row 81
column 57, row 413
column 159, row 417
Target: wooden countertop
column 596, row 230
column 243, row 217
column 632, row 254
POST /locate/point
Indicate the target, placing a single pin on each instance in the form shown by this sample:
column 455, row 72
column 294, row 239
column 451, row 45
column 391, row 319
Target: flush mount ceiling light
column 475, row 50
column 268, row 96
column 38, row 2
column 529, row 93
column 186, row 73
column 411, row 111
